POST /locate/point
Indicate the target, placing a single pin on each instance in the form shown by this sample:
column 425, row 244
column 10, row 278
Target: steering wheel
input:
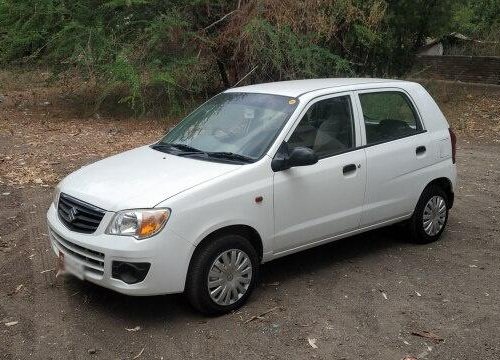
column 226, row 135
column 222, row 134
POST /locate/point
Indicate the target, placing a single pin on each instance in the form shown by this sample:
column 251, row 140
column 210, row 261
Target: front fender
column 226, row 201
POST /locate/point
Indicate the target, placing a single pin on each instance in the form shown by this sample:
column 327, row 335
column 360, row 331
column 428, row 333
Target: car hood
column 139, row 178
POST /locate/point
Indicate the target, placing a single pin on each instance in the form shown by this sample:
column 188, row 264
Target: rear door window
column 388, row 115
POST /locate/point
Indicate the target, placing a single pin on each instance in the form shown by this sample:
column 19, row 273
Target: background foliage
column 147, row 52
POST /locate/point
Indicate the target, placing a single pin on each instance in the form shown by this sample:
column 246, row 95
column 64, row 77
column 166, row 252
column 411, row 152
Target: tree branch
column 218, row 21
column 244, row 77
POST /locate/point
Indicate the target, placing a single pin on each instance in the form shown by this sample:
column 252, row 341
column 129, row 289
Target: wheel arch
column 241, row 229
column 447, row 186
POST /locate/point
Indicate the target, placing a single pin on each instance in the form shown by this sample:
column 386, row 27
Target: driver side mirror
column 299, row 156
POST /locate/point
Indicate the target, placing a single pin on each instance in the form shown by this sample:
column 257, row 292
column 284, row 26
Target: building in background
column 458, row 57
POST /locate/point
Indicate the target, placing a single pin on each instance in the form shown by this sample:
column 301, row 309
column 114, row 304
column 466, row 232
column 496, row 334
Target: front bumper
column 168, row 254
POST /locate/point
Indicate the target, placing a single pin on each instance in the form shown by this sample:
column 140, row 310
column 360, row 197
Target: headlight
column 140, row 223
column 55, row 199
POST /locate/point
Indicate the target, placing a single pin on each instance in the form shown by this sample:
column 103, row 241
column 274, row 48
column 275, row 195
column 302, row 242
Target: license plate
column 66, row 265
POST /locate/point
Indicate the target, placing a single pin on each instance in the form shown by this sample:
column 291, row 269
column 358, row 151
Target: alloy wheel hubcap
column 434, row 215
column 229, row 277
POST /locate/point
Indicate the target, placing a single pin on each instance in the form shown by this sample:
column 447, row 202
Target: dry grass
column 44, row 135
column 473, row 110
column 45, row 132
column 21, row 79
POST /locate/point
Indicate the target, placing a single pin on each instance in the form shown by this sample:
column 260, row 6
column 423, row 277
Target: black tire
column 416, row 223
column 197, row 280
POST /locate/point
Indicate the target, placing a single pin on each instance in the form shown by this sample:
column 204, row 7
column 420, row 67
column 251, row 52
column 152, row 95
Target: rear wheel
column 430, row 216
column 222, row 274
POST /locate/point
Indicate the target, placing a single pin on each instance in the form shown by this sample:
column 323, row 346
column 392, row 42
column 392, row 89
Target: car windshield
column 231, row 125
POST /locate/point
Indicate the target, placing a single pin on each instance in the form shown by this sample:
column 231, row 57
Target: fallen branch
column 18, row 288
column 428, row 335
column 255, row 317
column 140, row 353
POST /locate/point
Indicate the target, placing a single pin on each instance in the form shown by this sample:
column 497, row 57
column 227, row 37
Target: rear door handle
column 420, row 150
column 349, row 168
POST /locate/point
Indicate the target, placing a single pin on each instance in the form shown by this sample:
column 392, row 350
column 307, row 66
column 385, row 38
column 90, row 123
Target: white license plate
column 66, row 264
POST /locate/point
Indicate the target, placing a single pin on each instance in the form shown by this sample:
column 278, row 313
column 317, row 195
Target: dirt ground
column 364, row 297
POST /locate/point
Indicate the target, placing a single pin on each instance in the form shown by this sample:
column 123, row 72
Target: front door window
column 327, row 127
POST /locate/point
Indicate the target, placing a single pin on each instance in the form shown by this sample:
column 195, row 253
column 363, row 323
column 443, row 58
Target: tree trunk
column 223, row 74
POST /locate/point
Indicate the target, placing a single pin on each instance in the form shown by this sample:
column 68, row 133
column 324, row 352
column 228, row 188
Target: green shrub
column 169, row 53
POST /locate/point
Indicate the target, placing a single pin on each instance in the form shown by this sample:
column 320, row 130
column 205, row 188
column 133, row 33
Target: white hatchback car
column 256, row 173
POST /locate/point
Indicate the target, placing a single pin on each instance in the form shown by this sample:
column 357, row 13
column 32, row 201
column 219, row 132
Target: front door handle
column 349, row 168
column 420, row 150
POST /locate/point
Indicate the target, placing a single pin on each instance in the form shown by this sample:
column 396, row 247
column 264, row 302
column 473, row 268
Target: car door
column 396, row 148
column 317, row 202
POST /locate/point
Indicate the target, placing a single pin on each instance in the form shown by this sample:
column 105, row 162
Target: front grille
column 78, row 215
column 93, row 261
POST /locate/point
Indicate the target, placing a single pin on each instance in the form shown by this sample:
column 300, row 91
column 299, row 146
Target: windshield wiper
column 186, row 149
column 230, row 156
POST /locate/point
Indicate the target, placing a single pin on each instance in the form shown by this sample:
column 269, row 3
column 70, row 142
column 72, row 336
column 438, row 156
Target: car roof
column 296, row 88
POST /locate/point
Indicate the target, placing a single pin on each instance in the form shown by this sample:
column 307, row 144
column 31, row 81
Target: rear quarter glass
column 432, row 117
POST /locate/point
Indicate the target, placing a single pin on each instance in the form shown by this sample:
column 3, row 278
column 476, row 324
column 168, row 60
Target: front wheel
column 430, row 216
column 222, row 274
